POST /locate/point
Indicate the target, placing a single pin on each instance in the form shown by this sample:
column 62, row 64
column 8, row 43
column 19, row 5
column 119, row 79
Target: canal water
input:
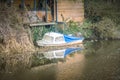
column 96, row 61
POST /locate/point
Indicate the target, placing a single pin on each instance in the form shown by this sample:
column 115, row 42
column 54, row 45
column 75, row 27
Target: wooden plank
column 42, row 24
column 71, row 9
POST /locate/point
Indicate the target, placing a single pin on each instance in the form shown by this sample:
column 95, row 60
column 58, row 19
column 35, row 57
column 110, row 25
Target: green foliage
column 106, row 28
column 75, row 28
column 85, row 29
column 104, row 18
column 36, row 32
column 94, row 10
column 39, row 31
column 72, row 28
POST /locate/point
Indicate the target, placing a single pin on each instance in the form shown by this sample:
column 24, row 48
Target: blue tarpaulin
column 71, row 50
column 71, row 38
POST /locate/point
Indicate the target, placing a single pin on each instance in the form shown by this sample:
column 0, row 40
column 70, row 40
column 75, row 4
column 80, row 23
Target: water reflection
column 66, row 65
column 97, row 61
column 53, row 56
column 15, row 62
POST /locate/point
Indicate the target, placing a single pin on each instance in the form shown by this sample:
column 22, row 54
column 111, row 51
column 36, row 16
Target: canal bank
column 13, row 35
column 98, row 61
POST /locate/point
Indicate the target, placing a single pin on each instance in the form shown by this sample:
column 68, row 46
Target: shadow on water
column 97, row 61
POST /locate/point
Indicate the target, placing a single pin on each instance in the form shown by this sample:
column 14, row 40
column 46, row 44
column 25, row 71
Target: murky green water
column 97, row 61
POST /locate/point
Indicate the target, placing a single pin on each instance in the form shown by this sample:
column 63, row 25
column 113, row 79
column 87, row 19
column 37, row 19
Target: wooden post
column 46, row 12
column 35, row 5
column 22, row 4
column 56, row 10
column 53, row 9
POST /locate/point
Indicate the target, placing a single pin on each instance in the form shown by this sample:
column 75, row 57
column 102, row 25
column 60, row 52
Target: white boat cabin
column 53, row 38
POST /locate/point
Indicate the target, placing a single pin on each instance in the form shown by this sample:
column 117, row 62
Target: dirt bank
column 13, row 36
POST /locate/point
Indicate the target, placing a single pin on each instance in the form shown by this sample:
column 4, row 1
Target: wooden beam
column 46, row 11
column 56, row 5
column 42, row 24
column 35, row 5
column 22, row 4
